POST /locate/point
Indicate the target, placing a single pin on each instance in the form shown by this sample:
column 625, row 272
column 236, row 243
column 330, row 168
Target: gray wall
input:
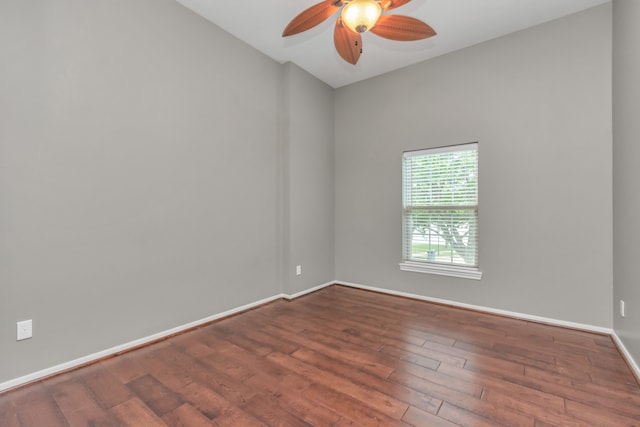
column 308, row 165
column 626, row 174
column 539, row 104
column 141, row 175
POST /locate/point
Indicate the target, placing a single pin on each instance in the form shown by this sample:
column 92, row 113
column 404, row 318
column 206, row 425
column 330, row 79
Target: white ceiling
column 459, row 23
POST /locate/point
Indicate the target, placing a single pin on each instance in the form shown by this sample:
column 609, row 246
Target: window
column 440, row 211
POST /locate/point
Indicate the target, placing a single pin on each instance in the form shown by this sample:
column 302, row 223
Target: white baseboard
column 127, row 346
column 627, row 355
column 538, row 319
column 307, row 291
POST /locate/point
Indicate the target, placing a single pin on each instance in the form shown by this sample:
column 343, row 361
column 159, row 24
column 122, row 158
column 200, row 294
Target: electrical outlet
column 25, row 330
column 298, row 270
column 622, row 308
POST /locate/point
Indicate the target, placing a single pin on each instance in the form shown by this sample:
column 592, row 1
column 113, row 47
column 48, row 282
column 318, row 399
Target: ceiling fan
column 359, row 16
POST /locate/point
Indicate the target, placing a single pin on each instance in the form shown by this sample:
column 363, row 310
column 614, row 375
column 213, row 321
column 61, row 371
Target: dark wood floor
column 340, row 357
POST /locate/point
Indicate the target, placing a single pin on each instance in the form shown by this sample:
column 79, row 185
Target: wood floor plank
column 415, row 398
column 374, row 326
column 124, row 368
column 135, row 413
column 553, row 376
column 267, row 409
column 186, row 415
column 235, row 416
column 418, row 418
column 230, row 334
column 368, row 396
column 543, row 414
column 624, row 384
column 106, row 388
column 341, row 353
column 573, row 389
column 155, row 395
column 196, row 370
column 351, row 409
column 468, row 403
column 452, row 378
column 532, row 394
column 346, row 357
column 590, row 414
column 495, row 413
column 464, row 417
column 612, row 401
column 424, row 352
column 205, row 399
column 310, row 411
column 427, row 387
column 162, row 364
column 192, row 343
column 365, row 358
column 8, row 415
column 207, row 336
column 479, row 358
column 261, row 367
column 499, row 351
column 540, row 423
column 36, row 407
column 79, row 407
column 386, row 330
column 521, row 353
column 255, row 334
column 407, row 356
column 236, row 368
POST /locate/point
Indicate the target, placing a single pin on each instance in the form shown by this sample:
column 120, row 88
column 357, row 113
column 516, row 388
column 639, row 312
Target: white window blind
column 440, row 206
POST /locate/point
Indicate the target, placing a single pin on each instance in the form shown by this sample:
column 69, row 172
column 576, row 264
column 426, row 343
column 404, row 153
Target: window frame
column 431, row 267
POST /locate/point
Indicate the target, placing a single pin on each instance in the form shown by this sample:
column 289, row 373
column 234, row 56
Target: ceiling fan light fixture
column 361, row 15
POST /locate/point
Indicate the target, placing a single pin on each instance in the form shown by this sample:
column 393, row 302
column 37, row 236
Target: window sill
column 442, row 270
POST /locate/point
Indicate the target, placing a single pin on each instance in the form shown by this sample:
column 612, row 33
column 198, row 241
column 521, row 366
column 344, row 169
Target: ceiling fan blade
column 402, row 28
column 348, row 44
column 311, row 17
column 392, row 4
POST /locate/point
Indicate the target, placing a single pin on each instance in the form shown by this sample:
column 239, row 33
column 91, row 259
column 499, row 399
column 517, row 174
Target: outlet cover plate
column 25, row 330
